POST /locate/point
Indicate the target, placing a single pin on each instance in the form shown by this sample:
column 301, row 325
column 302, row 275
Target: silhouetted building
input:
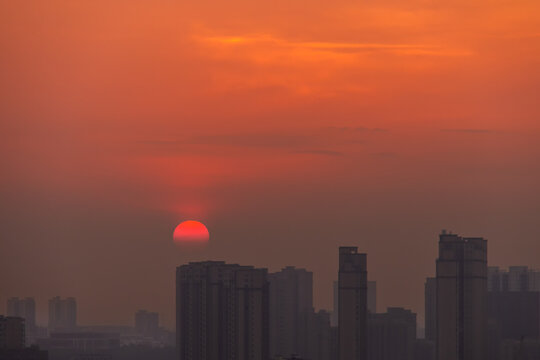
column 12, row 334
column 291, row 307
column 147, row 323
column 392, row 335
column 462, row 298
column 424, row 350
column 520, row 350
column 372, row 296
column 62, row 314
column 25, row 308
column 335, row 311
column 516, row 278
column 516, row 313
column 80, row 345
column 371, row 301
column 352, row 312
column 320, row 337
column 222, row 312
column 430, row 307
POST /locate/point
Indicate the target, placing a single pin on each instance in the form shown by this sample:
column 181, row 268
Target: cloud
column 319, row 152
column 330, row 46
column 360, row 129
column 469, row 131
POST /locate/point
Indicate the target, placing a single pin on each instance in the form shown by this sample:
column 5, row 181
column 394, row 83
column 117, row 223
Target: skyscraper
column 430, row 307
column 461, row 298
column 352, row 293
column 372, row 296
column 24, row 308
column 291, row 308
column 62, row 314
column 221, row 312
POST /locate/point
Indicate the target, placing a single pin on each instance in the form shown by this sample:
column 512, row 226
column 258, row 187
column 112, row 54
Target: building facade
column 12, row 332
column 462, row 321
column 430, row 307
column 392, row 335
column 222, row 312
column 147, row 323
column 291, row 309
column 62, row 314
column 352, row 298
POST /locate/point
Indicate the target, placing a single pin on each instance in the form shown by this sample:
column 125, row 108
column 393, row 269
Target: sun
column 191, row 232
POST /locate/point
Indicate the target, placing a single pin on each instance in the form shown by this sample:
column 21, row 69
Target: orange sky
column 288, row 127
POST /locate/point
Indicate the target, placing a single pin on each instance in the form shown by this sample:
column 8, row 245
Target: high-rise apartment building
column 352, row 311
column 430, row 307
column 291, row 308
column 516, row 278
column 147, row 323
column 222, row 312
column 392, row 335
column 62, row 314
column 462, row 298
column 371, row 300
column 372, row 296
column 24, row 308
column 320, row 335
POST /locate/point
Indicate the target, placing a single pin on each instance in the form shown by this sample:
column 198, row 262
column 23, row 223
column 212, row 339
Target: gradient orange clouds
column 282, row 125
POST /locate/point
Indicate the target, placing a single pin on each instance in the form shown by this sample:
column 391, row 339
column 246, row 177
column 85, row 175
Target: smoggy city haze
column 287, row 128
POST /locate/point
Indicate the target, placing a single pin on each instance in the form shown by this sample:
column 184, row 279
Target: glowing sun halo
column 191, row 232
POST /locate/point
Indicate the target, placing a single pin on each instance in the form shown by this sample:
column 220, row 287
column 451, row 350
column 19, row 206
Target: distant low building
column 80, row 345
column 147, row 323
column 62, row 314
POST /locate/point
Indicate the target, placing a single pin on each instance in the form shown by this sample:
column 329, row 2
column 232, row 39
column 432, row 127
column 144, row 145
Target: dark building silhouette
column 62, row 314
column 291, row 309
column 516, row 278
column 462, row 321
column 372, row 296
column 430, row 307
column 26, row 309
column 392, row 335
column 371, row 300
column 424, row 349
column 352, row 311
column 516, row 313
column 147, row 323
column 12, row 332
column 222, row 312
column 320, row 337
column 81, row 345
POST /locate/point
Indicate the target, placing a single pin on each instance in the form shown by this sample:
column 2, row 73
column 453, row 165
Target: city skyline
column 287, row 128
column 496, row 272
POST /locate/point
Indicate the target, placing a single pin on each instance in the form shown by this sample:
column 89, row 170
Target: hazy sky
column 288, row 127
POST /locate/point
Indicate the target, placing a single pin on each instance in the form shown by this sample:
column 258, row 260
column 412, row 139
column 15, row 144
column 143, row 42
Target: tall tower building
column 24, row 308
column 221, row 312
column 372, row 296
column 462, row 298
column 352, row 293
column 291, row 308
column 430, row 307
column 62, row 314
